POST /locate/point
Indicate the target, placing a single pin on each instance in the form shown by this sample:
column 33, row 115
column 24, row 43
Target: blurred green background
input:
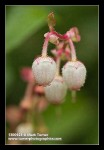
column 25, row 27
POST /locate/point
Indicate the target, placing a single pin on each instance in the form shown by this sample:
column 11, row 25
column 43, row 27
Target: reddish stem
column 73, row 52
column 29, row 90
column 45, row 45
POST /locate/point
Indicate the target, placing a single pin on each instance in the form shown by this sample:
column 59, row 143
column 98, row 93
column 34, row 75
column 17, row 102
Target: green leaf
column 22, row 22
column 76, row 121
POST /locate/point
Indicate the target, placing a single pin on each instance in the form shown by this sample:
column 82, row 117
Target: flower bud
column 56, row 91
column 74, row 74
column 44, row 69
column 26, row 74
column 39, row 90
column 73, row 33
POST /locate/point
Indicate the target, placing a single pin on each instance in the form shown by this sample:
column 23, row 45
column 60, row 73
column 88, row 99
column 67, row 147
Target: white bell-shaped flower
column 74, row 74
column 56, row 91
column 44, row 69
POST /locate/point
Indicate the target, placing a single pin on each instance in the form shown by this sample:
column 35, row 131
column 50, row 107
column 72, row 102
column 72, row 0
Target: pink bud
column 56, row 91
column 74, row 74
column 44, row 69
column 39, row 89
column 26, row 74
column 73, row 33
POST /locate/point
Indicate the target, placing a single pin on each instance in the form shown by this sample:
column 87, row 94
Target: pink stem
column 29, row 90
column 73, row 52
column 67, row 52
column 45, row 45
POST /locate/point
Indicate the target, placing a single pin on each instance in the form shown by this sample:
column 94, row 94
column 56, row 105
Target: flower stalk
column 73, row 51
column 58, row 61
column 45, row 45
column 73, row 95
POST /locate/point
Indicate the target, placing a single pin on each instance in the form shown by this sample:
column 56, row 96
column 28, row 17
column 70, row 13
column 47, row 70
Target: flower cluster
column 46, row 70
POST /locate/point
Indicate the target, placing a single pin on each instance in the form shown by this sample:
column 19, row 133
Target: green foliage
column 76, row 122
column 23, row 21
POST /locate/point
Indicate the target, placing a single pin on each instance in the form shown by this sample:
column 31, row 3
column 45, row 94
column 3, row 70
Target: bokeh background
column 25, row 27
